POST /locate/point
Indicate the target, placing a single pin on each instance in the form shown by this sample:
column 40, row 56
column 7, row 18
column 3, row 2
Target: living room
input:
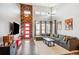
column 59, row 22
column 50, row 19
column 53, row 28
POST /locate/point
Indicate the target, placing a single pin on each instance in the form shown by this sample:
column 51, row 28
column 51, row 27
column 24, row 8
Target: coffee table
column 48, row 41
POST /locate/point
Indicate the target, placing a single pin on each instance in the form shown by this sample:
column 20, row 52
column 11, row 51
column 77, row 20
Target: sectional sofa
column 67, row 42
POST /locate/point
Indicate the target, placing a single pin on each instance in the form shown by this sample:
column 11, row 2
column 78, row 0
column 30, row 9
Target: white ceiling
column 44, row 4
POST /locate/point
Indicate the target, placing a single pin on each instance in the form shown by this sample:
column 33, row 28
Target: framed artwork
column 69, row 24
column 59, row 25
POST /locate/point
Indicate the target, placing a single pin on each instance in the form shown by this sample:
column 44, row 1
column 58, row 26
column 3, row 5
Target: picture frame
column 69, row 24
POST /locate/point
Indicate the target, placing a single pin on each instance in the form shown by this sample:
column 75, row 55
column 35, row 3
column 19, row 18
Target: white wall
column 4, row 28
column 65, row 11
column 9, row 12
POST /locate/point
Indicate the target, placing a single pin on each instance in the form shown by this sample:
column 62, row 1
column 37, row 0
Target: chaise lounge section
column 67, row 42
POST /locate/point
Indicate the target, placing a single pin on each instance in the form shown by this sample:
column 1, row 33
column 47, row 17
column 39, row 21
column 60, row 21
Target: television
column 15, row 28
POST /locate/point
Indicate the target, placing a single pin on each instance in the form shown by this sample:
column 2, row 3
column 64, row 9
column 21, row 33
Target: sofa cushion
column 56, row 35
column 61, row 37
column 62, row 41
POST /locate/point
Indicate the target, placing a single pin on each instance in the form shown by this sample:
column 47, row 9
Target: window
column 37, row 28
column 37, row 13
column 43, row 27
column 43, row 13
column 48, row 27
column 53, row 12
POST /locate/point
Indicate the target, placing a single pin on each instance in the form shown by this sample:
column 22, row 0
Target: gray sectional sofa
column 67, row 42
column 60, row 40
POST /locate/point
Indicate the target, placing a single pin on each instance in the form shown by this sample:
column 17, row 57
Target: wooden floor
column 33, row 47
column 27, row 48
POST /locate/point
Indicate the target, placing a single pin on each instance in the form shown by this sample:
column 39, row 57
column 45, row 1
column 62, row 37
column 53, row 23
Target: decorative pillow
column 64, row 39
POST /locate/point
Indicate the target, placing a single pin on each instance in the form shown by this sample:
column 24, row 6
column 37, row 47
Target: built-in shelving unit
column 26, row 21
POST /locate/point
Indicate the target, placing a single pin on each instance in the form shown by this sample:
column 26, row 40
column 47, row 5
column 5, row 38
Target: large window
column 43, row 27
column 38, row 28
column 53, row 25
column 48, row 27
